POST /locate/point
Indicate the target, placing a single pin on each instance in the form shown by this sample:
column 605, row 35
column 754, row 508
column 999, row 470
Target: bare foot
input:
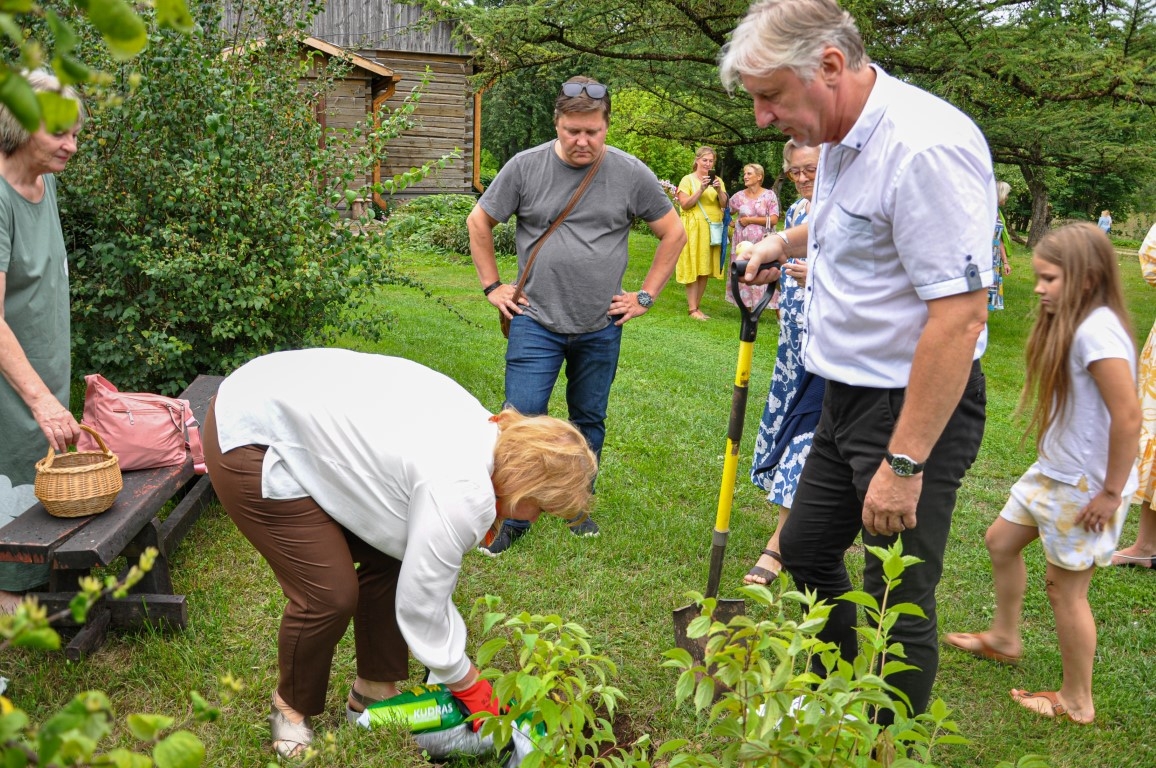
column 698, row 314
column 1134, row 556
column 765, row 571
column 985, row 645
column 1049, row 704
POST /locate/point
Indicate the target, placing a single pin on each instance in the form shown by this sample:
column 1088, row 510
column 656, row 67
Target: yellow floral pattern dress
column 698, row 256
column 1147, row 378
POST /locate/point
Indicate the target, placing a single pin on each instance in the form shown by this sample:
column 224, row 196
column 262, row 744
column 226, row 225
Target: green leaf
column 489, row 649
column 69, row 70
column 859, row 597
column 146, row 727
column 123, row 31
column 174, row 14
column 16, row 6
column 18, row 96
column 59, row 113
column 65, row 37
column 180, row 750
column 44, row 639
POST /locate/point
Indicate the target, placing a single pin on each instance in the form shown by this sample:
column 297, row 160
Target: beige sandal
column 698, row 314
column 290, row 740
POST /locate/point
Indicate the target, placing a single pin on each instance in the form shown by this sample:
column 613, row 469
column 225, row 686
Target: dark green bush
column 437, row 223
column 202, row 215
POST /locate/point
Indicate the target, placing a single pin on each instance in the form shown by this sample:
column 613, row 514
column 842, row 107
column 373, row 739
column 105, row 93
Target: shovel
column 725, row 610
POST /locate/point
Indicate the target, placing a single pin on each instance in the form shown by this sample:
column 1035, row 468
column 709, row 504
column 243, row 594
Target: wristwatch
column 645, row 300
column 904, row 466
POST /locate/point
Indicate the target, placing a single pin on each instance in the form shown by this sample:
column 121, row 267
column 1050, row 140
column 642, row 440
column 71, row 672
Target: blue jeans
column 854, row 430
column 534, row 358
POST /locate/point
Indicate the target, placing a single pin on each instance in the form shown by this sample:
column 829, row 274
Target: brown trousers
column 314, row 559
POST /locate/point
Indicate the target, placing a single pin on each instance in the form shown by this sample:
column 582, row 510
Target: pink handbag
column 142, row 429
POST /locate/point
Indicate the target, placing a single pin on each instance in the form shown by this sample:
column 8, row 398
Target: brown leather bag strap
column 557, row 223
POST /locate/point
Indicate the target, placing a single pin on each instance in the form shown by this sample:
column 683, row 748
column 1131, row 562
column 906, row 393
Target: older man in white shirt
column 899, row 242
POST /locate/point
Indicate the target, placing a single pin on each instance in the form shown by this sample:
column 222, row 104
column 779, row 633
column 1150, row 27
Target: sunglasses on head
column 593, row 90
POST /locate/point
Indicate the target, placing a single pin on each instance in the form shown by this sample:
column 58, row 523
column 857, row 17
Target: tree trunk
column 1039, row 193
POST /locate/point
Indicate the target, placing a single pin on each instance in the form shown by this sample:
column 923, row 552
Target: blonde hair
column 544, row 459
column 700, row 152
column 757, row 169
column 1091, row 280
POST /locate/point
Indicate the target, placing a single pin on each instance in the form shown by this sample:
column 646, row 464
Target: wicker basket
column 80, row 483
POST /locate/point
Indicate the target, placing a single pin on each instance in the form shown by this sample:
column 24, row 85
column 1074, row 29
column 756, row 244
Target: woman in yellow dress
column 702, row 197
column 1143, row 552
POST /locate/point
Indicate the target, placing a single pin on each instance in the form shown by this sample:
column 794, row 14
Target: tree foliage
column 1062, row 88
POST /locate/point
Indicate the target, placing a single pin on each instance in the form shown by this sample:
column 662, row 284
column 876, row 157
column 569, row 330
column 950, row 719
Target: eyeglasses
column 593, row 90
column 796, row 172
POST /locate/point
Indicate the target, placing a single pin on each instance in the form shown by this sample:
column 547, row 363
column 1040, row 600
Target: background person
column 702, row 196
column 1105, row 222
column 755, row 212
column 1000, row 266
column 1081, row 393
column 1142, row 552
column 899, row 243
column 363, row 480
column 35, row 346
column 788, row 423
column 574, row 307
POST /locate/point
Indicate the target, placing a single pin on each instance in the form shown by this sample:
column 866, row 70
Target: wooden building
column 390, row 46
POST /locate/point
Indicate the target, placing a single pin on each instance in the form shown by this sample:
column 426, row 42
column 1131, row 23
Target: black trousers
column 852, row 437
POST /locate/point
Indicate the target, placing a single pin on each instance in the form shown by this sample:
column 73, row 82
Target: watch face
column 902, row 465
column 644, row 299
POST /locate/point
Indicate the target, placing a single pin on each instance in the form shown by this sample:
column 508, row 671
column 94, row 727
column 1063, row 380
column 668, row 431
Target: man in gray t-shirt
column 573, row 307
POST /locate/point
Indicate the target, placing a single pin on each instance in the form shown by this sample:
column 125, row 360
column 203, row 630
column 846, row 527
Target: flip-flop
column 981, row 648
column 1136, row 562
column 1055, row 708
column 765, row 574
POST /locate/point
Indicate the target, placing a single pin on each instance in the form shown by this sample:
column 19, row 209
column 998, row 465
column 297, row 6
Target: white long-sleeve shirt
column 399, row 454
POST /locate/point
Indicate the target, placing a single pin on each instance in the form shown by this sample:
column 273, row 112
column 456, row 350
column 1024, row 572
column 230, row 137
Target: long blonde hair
column 545, row 459
column 1091, row 280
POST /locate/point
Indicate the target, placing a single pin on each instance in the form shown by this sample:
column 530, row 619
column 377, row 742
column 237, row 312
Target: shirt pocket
column 850, row 237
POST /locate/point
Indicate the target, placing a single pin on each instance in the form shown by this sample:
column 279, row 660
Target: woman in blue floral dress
column 999, row 263
column 788, row 423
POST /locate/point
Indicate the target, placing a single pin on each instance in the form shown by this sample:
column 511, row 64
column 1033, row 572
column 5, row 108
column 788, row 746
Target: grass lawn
column 656, row 503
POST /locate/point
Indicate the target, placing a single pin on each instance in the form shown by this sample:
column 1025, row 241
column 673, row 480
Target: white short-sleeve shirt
column 903, row 213
column 1076, row 446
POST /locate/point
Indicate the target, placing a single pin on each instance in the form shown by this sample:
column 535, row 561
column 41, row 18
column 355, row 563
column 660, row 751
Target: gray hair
column 789, row 152
column 1002, row 190
column 789, row 34
column 12, row 133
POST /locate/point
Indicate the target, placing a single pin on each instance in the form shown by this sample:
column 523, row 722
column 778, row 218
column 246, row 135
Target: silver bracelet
column 782, row 235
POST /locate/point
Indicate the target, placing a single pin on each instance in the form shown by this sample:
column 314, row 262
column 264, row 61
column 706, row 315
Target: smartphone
column 710, row 176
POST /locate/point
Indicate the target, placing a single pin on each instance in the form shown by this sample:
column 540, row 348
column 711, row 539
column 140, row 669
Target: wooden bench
column 74, row 546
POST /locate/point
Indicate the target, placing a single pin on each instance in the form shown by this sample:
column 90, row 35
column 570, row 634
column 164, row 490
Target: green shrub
column 203, row 217
column 438, row 223
column 761, row 702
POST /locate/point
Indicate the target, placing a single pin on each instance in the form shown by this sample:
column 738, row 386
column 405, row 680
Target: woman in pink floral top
column 754, row 211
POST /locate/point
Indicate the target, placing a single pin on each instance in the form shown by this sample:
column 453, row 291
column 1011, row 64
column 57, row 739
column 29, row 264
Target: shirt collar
column 872, row 113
